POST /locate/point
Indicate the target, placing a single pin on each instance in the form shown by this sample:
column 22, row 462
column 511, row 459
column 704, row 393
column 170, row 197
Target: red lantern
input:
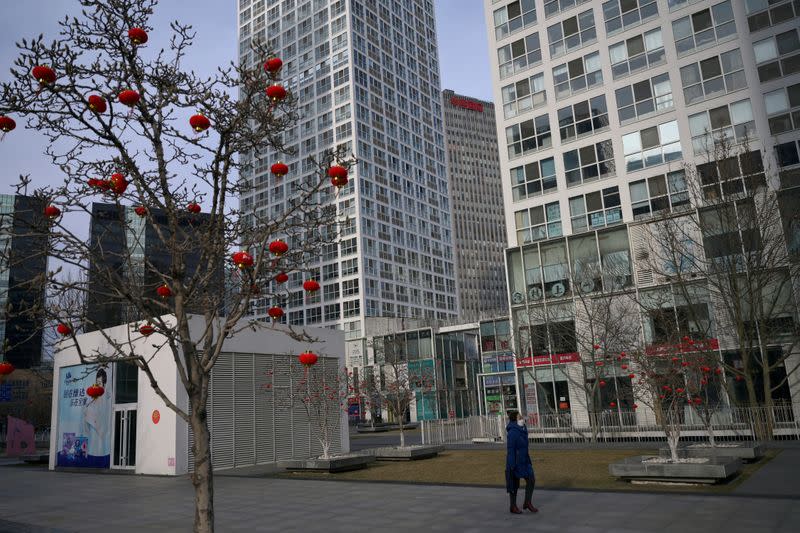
column 140, row 210
column 199, row 123
column 613, row 404
column 129, row 98
column 685, row 364
column 666, row 388
column 622, row 354
column 596, row 346
column 276, row 92
column 164, row 291
column 6, row 368
column 279, row 169
column 97, row 103
column 242, row 259
column 686, row 338
column 118, row 183
column 631, row 376
column 275, row 313
column 7, row 124
column 278, row 247
column 194, row 208
column 147, row 329
column 602, row 383
column 676, row 360
column 697, row 400
column 705, row 369
column 623, row 366
column 95, row 391
column 310, row 286
column 282, row 277
column 64, row 329
column 137, row 36
column 44, row 75
column 338, row 175
column 718, row 371
column 704, row 381
column 308, row 359
column 679, row 390
column 273, row 65
column 738, row 378
column 635, row 406
column 52, row 212
column 599, row 363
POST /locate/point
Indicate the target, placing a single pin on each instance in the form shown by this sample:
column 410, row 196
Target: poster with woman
column 84, row 423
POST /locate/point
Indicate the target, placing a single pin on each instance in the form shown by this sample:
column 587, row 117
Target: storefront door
column 124, row 454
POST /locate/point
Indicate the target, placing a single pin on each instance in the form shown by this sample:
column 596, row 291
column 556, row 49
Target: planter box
column 715, row 470
column 367, row 428
column 407, row 453
column 334, row 464
column 750, row 452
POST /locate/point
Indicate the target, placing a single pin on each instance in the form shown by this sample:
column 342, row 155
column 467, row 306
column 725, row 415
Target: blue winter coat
column 518, row 462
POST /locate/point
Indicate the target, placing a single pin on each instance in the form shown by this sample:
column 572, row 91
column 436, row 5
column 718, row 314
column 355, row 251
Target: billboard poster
column 84, row 424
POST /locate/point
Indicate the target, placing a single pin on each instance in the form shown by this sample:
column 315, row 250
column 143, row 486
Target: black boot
column 528, row 495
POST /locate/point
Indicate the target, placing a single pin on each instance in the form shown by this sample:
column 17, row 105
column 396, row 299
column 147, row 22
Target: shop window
column 644, row 98
column 713, row 76
column 615, row 258
column 624, row 14
column 555, row 270
column 637, row 53
column 704, row 28
column 781, row 396
column 571, row 33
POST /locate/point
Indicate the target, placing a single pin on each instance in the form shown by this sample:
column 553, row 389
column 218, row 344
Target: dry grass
column 561, row 469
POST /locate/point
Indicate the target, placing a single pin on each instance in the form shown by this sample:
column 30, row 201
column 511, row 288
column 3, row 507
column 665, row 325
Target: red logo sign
column 546, row 359
column 466, row 104
column 156, row 416
column 684, row 347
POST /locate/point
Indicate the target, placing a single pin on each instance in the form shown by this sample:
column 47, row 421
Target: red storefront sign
column 684, row 347
column 546, row 359
column 466, row 104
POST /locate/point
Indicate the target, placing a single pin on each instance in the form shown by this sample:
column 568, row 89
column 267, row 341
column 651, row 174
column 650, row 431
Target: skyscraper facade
column 366, row 77
column 603, row 107
column 477, row 202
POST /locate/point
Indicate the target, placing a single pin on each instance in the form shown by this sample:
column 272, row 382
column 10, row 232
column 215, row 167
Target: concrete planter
column 342, row 463
column 407, row 453
column 369, row 428
column 746, row 451
column 715, row 470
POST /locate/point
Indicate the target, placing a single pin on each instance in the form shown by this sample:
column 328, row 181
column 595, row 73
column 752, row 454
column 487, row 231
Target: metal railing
column 739, row 423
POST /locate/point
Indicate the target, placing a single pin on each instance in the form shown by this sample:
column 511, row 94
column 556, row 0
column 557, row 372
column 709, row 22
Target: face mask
column 520, row 422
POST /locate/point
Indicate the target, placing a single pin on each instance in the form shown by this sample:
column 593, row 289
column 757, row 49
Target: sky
column 463, row 57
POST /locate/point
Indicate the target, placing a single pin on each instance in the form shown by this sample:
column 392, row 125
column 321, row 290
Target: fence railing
column 741, row 423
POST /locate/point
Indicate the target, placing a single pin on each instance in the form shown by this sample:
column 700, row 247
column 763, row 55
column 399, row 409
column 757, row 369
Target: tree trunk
column 203, row 476
column 711, row 440
column 673, row 437
column 402, row 434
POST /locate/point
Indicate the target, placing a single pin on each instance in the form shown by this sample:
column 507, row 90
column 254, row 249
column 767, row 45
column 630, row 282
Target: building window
column 523, row 96
column 538, row 223
column 652, row 146
column 644, row 98
column 533, row 179
column 350, row 287
column 331, row 292
column 659, row 194
column 622, row 14
column 774, row 55
column 330, row 271
column 713, row 76
column 723, row 125
column 349, row 267
column 637, row 53
column 703, row 28
column 583, row 118
column 765, row 13
column 513, row 17
column 348, row 247
column 519, row 55
column 352, row 308
column 571, row 33
column 578, row 75
column 595, row 210
column 332, row 312
column 677, row 4
column 553, row 7
column 788, row 154
column 528, row 136
column 296, row 318
column 730, row 176
column 783, row 109
column 314, row 315
column 590, row 163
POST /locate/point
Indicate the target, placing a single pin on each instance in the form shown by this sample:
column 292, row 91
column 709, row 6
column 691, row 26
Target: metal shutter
column 244, row 451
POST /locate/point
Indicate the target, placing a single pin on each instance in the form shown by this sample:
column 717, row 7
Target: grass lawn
column 555, row 469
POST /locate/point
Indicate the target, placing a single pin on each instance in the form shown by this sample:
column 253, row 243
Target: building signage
column 684, row 347
column 466, row 104
column 547, row 359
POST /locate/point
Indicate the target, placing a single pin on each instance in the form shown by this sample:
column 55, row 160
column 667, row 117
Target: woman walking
column 518, row 463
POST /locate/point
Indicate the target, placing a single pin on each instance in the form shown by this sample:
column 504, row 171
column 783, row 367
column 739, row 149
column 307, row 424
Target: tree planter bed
column 714, row 470
column 341, row 463
column 746, row 451
column 377, row 428
column 406, row 453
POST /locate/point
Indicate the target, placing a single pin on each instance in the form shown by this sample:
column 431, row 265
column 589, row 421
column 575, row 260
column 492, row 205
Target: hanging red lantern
column 697, row 400
column 199, row 123
column 140, row 210
column 273, row 65
column 705, row 369
column 676, row 360
column 6, row 368
column 679, row 390
column 602, row 383
column 194, row 208
column 613, row 404
column 685, row 364
column 278, row 247
column 118, row 183
column 635, row 406
column 276, row 92
column 623, row 366
column 718, row 371
column 279, row 169
column 63, row 329
column 137, row 36
column 282, row 277
column 95, row 391
column 631, row 376
column 164, row 291
column 599, row 363
column 338, row 175
column 147, row 329
column 242, row 259
column 44, row 75
column 623, row 355
column 52, row 212
column 596, row 346
column 7, row 124
column 275, row 313
column 129, row 98
column 666, row 388
column 739, row 378
column 311, row 285
column 308, row 359
column 97, row 103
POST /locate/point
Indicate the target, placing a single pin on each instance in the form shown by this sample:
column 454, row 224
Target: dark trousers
column 529, row 484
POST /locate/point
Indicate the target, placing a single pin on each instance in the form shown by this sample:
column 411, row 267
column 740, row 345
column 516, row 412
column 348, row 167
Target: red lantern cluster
column 6, row 368
column 278, row 247
column 64, row 329
column 95, row 391
column 7, row 124
column 44, row 75
column 147, row 329
column 194, row 208
column 97, row 103
column 311, row 285
column 140, row 210
column 242, row 259
column 273, row 65
column 276, row 92
column 118, row 184
column 137, row 36
column 199, row 123
column 129, row 98
column 275, row 313
column 282, row 277
column 338, row 175
column 164, row 291
column 279, row 169
column 52, row 212
column 308, row 359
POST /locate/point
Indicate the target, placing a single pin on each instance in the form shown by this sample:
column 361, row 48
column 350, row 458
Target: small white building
column 130, row 427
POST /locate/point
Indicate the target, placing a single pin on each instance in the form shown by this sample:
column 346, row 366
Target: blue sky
column 463, row 57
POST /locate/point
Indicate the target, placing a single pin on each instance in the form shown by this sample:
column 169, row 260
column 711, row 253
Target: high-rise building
column 366, row 77
column 477, row 202
column 604, row 106
column 23, row 263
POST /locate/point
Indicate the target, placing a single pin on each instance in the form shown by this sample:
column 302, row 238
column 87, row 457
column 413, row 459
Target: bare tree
column 115, row 113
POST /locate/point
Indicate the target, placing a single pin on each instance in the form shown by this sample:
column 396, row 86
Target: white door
column 124, row 454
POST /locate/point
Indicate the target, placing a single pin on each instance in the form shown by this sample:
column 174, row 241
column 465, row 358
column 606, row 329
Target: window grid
column 644, row 98
column 783, row 109
column 523, row 96
column 519, row 55
column 713, row 76
column 765, row 13
column 729, row 176
column 533, row 179
column 595, row 210
column 652, row 146
column 704, row 28
column 658, row 194
column 577, row 75
column 724, row 124
column 637, row 53
column 571, row 33
column 774, row 55
column 514, row 17
column 589, row 163
column 623, row 14
column 554, row 7
column 538, row 223
column 528, row 136
column 583, row 118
